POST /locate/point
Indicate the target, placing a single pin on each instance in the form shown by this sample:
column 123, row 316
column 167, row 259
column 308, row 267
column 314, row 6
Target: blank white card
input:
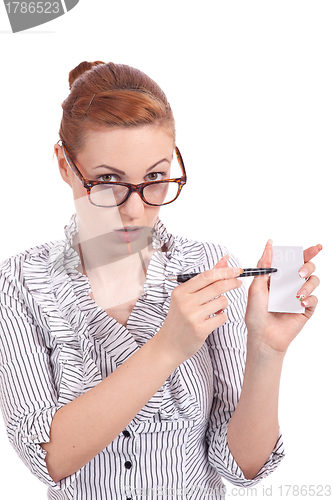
column 286, row 282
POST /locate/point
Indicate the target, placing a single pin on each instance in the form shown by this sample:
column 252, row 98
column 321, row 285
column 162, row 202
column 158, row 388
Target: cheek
column 78, row 190
column 151, row 215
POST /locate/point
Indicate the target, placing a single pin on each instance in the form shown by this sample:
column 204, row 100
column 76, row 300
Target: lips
column 128, row 234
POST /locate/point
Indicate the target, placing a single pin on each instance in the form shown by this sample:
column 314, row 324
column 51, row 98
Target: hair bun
column 80, row 69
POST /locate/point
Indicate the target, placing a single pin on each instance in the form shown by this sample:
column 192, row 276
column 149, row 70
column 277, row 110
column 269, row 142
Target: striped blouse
column 56, row 343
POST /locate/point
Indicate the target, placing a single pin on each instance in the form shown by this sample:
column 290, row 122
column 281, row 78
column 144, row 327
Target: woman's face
column 132, row 155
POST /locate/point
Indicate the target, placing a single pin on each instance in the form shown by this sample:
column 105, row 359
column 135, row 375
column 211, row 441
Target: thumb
column 266, row 258
column 264, row 261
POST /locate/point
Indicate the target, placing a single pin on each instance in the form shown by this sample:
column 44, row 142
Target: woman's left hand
column 273, row 332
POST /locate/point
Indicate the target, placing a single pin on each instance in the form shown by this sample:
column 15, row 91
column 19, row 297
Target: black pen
column 251, row 271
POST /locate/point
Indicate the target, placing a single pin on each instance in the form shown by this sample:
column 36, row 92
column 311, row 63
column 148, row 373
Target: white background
column 250, row 83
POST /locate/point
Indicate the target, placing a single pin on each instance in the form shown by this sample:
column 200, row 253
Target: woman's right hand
column 188, row 322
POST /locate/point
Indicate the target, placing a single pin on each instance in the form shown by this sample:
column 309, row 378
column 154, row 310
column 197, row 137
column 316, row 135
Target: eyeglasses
column 112, row 194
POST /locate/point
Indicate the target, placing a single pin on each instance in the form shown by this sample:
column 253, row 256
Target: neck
column 97, row 260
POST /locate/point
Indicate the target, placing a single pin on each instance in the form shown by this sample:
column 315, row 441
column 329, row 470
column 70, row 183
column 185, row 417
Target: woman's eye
column 155, row 176
column 107, row 178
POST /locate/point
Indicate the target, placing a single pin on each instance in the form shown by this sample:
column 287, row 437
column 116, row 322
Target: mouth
column 128, row 234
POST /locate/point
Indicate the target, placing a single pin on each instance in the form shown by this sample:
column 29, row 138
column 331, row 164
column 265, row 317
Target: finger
column 307, row 270
column 310, row 304
column 223, row 262
column 266, row 258
column 216, row 289
column 213, row 307
column 217, row 320
column 309, row 286
column 311, row 252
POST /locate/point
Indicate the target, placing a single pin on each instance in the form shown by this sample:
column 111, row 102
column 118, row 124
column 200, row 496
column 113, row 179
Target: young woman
column 115, row 382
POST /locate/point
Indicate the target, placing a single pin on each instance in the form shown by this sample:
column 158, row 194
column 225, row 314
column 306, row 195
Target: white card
column 286, row 282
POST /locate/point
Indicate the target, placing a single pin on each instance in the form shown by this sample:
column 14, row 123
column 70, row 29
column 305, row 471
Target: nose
column 133, row 207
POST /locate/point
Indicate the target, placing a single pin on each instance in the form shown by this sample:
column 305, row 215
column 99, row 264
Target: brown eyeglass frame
column 138, row 188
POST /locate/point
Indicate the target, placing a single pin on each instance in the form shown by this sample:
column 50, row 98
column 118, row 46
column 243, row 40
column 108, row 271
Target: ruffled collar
column 167, row 259
column 173, row 255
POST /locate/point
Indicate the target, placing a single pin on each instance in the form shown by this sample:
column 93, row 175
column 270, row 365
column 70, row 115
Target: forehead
column 122, row 145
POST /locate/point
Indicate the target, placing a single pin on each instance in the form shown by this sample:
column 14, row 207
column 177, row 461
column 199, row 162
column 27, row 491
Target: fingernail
column 301, row 297
column 237, row 271
column 269, row 242
column 305, row 303
column 303, row 273
column 320, row 246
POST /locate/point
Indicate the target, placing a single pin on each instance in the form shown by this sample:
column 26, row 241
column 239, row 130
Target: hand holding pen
column 196, row 309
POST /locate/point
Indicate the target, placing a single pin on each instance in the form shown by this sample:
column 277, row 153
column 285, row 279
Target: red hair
column 110, row 95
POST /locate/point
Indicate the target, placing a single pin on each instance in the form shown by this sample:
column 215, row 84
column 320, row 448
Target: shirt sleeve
column 28, row 396
column 227, row 347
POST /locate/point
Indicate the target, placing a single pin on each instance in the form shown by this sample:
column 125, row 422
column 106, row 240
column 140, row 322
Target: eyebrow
column 121, row 172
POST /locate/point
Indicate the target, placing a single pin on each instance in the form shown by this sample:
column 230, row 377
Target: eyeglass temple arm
column 74, row 168
column 181, row 162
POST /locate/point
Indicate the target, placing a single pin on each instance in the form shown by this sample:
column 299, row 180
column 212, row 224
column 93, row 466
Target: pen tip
column 172, row 278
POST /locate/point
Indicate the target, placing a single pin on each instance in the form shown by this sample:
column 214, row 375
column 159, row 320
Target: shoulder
column 12, row 269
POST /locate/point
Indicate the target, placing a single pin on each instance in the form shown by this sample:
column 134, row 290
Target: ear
column 64, row 169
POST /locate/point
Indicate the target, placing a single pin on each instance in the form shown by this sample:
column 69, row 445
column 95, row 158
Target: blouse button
column 128, row 465
column 126, row 434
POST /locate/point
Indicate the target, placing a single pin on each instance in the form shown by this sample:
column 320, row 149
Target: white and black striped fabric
column 56, row 343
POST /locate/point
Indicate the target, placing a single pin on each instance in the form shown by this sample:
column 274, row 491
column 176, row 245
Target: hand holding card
column 272, row 332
